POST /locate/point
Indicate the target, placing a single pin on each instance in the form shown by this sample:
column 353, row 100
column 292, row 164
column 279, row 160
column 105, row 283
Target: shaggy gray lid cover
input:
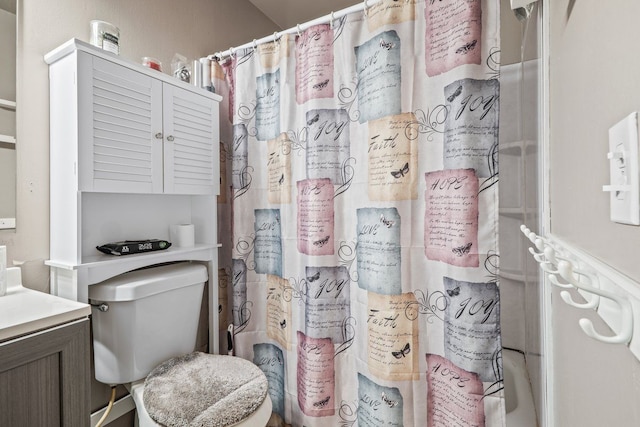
column 201, row 389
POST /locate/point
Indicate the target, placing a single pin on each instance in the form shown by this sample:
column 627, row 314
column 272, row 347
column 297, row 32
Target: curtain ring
column 231, row 51
column 275, row 36
column 332, row 19
column 298, row 29
column 364, row 9
column 255, row 44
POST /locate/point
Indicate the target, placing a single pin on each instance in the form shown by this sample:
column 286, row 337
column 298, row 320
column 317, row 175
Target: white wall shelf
column 517, row 276
column 517, row 211
column 9, row 105
column 7, row 223
column 102, row 267
column 7, row 139
column 516, row 147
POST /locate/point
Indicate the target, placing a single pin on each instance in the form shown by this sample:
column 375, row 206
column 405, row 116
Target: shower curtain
column 359, row 216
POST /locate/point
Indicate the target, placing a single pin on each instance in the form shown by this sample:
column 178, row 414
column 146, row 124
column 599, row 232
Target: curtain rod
column 298, row 28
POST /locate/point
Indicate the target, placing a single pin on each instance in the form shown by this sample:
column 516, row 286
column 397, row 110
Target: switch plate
column 623, row 166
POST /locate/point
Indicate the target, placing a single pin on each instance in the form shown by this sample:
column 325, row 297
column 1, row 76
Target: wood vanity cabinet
column 44, row 378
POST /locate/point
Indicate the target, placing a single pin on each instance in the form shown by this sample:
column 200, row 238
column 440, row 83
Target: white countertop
column 23, row 310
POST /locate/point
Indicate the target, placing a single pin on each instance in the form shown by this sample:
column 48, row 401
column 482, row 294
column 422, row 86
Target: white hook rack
column 615, row 297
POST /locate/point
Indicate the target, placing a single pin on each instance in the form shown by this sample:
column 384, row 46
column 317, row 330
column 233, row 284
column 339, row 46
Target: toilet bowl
column 144, row 323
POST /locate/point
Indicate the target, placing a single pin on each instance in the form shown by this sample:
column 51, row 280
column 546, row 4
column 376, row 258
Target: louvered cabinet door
column 121, row 143
column 190, row 142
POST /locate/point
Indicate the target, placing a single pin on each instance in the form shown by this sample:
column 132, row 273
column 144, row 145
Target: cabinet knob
column 159, row 135
column 170, row 138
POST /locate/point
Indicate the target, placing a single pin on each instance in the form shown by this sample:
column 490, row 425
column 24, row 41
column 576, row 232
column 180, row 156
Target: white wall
column 157, row 28
column 594, row 83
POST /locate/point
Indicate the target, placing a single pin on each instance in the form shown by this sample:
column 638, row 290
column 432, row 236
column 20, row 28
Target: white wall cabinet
column 132, row 151
column 135, row 133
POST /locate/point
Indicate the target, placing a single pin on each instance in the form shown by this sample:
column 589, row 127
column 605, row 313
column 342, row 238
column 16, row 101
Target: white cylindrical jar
column 105, row 36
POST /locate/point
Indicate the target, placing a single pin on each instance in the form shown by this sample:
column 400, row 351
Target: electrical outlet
column 624, row 188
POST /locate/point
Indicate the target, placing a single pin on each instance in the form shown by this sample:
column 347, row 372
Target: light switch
column 623, row 166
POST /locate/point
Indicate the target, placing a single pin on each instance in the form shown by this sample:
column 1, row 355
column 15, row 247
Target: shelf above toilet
column 101, row 267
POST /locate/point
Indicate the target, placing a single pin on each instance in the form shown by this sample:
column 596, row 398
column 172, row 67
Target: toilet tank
column 152, row 316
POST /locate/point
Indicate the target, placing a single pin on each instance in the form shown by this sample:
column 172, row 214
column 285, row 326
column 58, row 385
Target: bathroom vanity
column 44, row 358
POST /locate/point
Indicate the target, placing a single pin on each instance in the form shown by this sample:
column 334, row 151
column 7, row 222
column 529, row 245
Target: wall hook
column 593, row 301
column 550, row 267
column 550, row 255
column 626, row 314
column 539, row 242
column 547, row 257
column 532, row 237
column 527, row 232
column 553, row 278
column 538, row 256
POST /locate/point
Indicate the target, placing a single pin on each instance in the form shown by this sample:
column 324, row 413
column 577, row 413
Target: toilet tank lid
column 149, row 281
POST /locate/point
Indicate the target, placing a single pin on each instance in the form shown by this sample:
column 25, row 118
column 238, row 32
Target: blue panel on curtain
column 359, row 216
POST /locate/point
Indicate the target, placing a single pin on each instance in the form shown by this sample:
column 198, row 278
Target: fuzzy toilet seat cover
column 200, row 389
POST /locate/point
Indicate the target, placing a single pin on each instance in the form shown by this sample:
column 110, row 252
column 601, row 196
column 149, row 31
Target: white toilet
column 149, row 317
